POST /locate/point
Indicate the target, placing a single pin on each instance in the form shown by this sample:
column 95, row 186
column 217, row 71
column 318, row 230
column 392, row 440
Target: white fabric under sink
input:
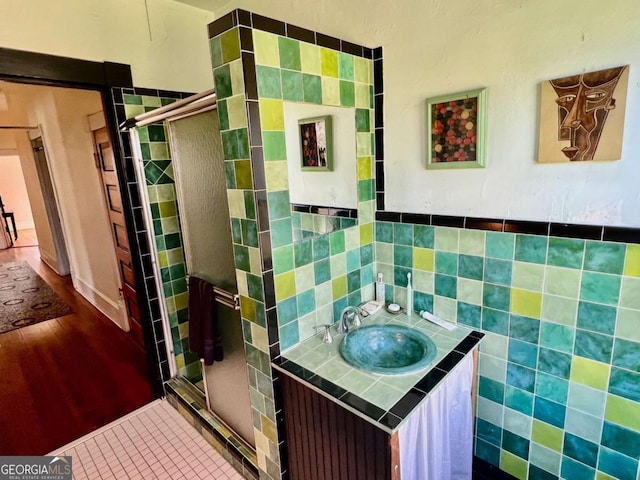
column 436, row 441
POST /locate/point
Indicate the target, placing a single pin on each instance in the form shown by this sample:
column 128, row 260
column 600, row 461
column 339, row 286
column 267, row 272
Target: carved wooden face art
column 584, row 102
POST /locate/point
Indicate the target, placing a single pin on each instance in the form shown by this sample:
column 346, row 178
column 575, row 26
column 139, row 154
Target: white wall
column 14, row 191
column 62, row 114
column 438, row 47
column 170, row 52
column 337, row 188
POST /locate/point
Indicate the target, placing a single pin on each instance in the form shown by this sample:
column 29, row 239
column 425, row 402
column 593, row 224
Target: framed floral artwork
column 316, row 152
column 457, row 129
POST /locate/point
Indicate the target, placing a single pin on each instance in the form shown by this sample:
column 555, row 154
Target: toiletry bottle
column 409, row 296
column 380, row 290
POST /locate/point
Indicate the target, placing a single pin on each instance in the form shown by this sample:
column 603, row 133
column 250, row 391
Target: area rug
column 25, row 298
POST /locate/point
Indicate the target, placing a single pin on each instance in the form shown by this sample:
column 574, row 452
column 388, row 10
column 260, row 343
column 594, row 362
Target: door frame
column 51, row 70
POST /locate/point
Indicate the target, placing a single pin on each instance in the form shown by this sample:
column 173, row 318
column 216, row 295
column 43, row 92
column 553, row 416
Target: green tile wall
column 158, row 171
column 559, row 370
column 285, row 288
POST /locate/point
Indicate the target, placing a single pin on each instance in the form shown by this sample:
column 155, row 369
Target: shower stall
column 201, row 219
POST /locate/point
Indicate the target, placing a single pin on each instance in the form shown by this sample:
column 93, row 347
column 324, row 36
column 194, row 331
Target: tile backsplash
column 559, row 370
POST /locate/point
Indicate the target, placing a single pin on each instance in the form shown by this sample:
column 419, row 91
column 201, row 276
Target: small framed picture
column 316, row 153
column 457, row 129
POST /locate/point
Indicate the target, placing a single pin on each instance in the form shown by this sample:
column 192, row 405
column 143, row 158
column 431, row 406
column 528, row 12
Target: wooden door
column 105, row 161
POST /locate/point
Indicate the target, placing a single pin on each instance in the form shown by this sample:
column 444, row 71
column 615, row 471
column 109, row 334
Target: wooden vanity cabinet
column 328, row 442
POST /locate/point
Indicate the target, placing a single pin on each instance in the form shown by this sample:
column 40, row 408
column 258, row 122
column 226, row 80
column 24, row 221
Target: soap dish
column 394, row 312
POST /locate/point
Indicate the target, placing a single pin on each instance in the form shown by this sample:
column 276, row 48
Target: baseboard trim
column 110, row 309
column 50, row 260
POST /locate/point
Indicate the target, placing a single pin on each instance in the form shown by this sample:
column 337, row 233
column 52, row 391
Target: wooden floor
column 63, row 378
column 26, row 238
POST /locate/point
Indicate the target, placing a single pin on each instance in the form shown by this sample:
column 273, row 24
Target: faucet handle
column 326, row 337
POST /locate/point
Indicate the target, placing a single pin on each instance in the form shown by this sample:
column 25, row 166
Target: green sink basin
column 387, row 349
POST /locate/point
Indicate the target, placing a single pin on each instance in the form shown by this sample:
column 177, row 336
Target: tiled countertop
column 384, row 400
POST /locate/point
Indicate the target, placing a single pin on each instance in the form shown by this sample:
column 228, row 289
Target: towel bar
column 224, row 297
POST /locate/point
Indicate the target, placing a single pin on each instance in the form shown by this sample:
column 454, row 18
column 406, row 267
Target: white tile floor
column 154, row 442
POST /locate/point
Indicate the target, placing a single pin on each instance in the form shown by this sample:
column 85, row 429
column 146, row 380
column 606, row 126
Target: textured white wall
column 169, row 52
column 509, row 46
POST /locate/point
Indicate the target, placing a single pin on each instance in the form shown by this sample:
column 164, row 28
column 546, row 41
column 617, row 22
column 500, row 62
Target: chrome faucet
column 349, row 313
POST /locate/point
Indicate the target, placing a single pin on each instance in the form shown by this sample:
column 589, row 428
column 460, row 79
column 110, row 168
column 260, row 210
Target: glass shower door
column 196, row 148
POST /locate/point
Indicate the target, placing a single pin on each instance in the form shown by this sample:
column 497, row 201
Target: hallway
column 65, row 377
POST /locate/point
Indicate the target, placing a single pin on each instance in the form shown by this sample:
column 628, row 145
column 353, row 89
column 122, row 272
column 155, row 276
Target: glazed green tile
column 445, row 307
column 500, row 245
column 283, row 259
column 279, row 206
column 281, row 232
column 632, row 262
column 330, row 91
column 310, row 58
column 593, row 345
column 445, row 285
column 589, row 372
column 312, row 88
column 495, row 321
column 151, row 101
column 143, row 134
column 269, row 85
column 596, row 317
column 556, row 336
column 446, row 263
column 552, row 388
column 605, row 257
column 621, row 439
column 470, row 291
column 223, row 114
column 630, row 293
column 600, row 288
column 498, row 271
column 544, row 459
column 583, row 425
column 547, row 435
column 237, row 77
column 628, row 323
column 222, row 79
column 472, row 242
column 496, row 296
column 159, row 151
column 623, row 411
column 366, row 190
column 132, row 111
column 322, row 271
column 274, row 145
column 531, row 248
column 145, row 151
column 361, row 70
column 525, row 302
column 289, row 53
column 617, row 466
column 559, row 309
column 292, row 86
column 254, row 283
column 271, row 114
column 513, row 465
column 215, row 50
column 403, row 234
column 423, row 259
column 156, row 133
column 363, row 123
column 244, row 179
column 365, row 169
column 285, row 285
column 339, row 286
column 241, row 257
column 562, row 281
column 132, row 99
column 320, row 247
column 362, row 96
column 627, row 354
column 364, row 144
column 230, row 145
column 471, row 267
column 329, row 62
column 266, row 49
column 336, row 241
column 249, row 233
column 565, row 252
column 345, row 66
column 236, row 112
column 230, row 45
column 152, row 173
column 625, row 383
column 446, row 239
column 347, row 94
column 249, row 204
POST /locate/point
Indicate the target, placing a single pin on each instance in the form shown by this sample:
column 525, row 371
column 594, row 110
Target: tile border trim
column 546, row 229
